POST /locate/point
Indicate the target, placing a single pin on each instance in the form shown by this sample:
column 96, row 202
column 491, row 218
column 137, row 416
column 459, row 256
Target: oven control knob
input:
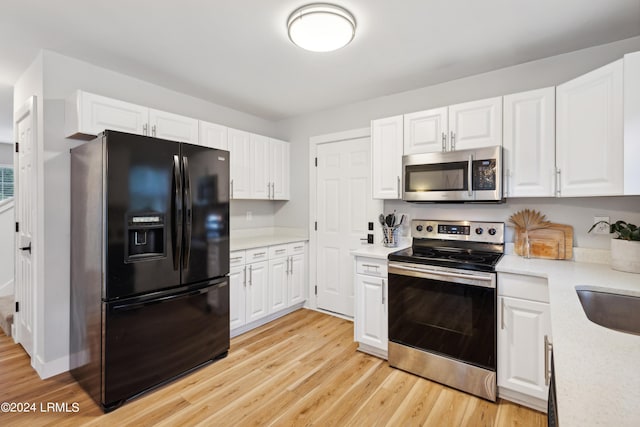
column 479, row 230
column 492, row 231
column 429, row 228
column 419, row 228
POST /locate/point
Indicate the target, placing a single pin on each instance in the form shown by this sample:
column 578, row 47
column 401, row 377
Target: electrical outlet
column 601, row 228
column 249, row 216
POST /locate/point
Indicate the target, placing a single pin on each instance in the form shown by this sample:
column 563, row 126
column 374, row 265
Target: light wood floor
column 302, row 369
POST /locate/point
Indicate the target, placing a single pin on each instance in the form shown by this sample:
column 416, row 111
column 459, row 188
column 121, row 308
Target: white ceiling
column 236, row 52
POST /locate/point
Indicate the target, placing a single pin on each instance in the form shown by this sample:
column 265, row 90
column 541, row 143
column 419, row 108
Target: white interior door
column 25, row 216
column 344, row 208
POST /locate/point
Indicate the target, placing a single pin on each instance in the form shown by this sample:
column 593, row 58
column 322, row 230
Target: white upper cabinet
column 456, row 127
column 279, row 156
column 87, row 114
column 529, row 143
column 213, row 136
column 631, row 123
column 240, row 164
column 475, row 124
column 589, row 148
column 386, row 153
column 173, row 127
column 426, row 131
column 259, row 161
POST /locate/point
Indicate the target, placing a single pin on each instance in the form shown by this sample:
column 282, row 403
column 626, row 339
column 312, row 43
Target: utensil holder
column 389, row 236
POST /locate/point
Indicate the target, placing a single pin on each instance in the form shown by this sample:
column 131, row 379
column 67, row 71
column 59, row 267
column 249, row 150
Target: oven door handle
column 435, row 274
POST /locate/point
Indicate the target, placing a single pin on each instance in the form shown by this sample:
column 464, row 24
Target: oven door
column 450, row 313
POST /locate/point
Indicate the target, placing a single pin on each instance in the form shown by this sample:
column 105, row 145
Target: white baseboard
column 49, row 369
column 372, row 351
column 273, row 316
column 7, row 289
column 523, row 399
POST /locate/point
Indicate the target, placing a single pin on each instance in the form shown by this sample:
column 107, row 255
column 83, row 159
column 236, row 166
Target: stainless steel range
column 442, row 304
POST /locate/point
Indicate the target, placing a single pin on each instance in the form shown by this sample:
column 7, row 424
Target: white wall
column 6, row 153
column 536, row 74
column 7, row 234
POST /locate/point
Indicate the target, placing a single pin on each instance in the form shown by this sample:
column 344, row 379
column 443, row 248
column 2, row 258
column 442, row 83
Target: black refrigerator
column 149, row 263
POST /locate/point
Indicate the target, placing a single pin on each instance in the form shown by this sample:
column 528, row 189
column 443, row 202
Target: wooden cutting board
column 553, row 242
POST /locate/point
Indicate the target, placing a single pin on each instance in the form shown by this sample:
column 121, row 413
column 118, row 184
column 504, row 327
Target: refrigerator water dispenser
column 145, row 237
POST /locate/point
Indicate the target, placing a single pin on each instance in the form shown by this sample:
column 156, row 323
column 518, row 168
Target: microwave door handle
column 470, row 176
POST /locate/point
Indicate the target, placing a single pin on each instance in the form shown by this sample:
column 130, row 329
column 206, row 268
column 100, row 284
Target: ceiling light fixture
column 321, row 27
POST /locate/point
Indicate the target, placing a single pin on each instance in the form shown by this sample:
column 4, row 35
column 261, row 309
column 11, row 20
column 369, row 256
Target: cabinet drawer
column 371, row 267
column 236, row 258
column 257, row 254
column 296, row 248
column 278, row 251
column 524, row 287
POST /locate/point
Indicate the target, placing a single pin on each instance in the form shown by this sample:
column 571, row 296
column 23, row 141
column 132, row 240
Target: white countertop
column 377, row 251
column 254, row 238
column 597, row 369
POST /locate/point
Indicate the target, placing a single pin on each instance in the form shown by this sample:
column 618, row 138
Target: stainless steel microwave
column 455, row 176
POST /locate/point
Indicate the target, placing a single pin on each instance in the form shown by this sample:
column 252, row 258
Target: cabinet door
column 257, row 290
column 237, row 296
column 212, row 135
column 240, row 164
column 297, row 274
column 522, row 327
column 96, row 113
column 173, row 126
column 280, row 170
column 475, row 124
column 259, row 172
column 386, row 156
column 529, row 143
column 372, row 311
column 426, row 131
column 278, row 275
column 589, row 144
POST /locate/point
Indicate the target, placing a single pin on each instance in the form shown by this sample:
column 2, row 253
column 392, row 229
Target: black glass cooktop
column 452, row 257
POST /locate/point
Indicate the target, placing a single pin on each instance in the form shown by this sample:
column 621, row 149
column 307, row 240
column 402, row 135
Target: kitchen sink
column 614, row 311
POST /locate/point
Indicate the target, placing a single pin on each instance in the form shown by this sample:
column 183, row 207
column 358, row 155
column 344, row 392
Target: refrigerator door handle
column 188, row 214
column 176, row 235
column 134, row 306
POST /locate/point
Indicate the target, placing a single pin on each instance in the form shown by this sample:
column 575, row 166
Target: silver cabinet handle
column 501, row 313
column 548, row 347
column 382, row 291
column 444, row 141
column 145, row 129
column 371, row 265
column 273, row 191
column 250, row 275
column 232, row 189
column 399, row 195
column 153, row 130
column 453, row 141
column 291, row 268
column 268, row 190
column 279, row 251
column 259, row 254
column 470, row 176
column 288, row 265
column 558, row 181
column 235, row 258
column 244, row 279
column 507, row 182
column 298, row 247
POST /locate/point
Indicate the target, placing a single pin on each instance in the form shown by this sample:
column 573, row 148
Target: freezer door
column 205, row 249
column 143, row 199
column 152, row 341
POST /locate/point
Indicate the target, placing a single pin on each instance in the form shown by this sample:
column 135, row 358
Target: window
column 6, row 182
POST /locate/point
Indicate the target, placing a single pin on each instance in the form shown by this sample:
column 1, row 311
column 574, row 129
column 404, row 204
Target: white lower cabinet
column 265, row 283
column 371, row 311
column 524, row 329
